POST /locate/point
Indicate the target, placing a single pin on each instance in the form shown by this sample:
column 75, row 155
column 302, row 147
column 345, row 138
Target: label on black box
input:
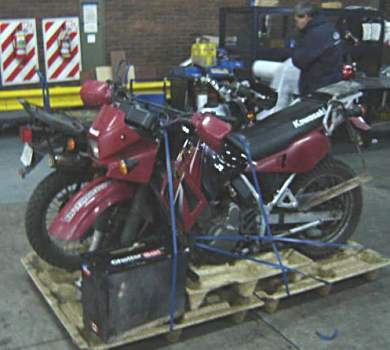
column 137, row 258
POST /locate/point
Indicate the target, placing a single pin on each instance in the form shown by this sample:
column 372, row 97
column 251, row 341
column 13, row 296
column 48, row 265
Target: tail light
column 25, row 134
column 71, row 144
column 349, row 72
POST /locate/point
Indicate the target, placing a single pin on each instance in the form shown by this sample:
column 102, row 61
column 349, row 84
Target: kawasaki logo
column 298, row 123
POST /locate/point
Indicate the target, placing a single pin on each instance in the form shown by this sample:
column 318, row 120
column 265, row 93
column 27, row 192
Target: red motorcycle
column 308, row 193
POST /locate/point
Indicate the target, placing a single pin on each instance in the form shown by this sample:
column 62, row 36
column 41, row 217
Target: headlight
column 93, row 145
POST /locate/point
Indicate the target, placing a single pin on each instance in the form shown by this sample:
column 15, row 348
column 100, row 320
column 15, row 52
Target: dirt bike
column 308, row 193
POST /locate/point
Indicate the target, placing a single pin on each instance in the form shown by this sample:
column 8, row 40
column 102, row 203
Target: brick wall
column 158, row 34
column 38, row 8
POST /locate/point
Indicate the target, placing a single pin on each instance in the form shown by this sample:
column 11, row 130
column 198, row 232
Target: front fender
column 82, row 210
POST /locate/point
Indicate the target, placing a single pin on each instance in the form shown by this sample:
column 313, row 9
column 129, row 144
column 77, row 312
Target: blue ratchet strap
column 45, row 90
column 172, row 304
column 264, row 212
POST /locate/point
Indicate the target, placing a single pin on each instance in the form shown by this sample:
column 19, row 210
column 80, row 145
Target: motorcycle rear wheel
column 330, row 172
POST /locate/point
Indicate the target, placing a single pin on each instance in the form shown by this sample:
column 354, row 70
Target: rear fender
column 300, row 157
column 82, row 210
column 359, row 123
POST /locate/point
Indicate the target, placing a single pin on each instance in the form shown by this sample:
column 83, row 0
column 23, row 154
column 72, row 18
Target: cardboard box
column 104, row 73
column 115, row 58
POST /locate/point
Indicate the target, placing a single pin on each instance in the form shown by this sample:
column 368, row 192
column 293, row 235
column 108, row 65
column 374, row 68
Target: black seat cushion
column 281, row 128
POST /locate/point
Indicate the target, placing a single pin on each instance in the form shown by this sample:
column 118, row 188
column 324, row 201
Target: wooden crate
column 213, row 291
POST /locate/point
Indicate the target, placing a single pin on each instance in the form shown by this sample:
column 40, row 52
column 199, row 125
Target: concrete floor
column 359, row 311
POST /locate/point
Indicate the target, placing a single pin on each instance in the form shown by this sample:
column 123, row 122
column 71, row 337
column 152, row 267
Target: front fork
column 96, row 240
column 101, row 228
column 136, row 213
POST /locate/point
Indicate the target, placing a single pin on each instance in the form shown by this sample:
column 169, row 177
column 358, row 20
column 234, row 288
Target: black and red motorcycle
column 309, row 194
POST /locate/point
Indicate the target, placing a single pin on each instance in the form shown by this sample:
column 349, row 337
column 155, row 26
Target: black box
column 121, row 292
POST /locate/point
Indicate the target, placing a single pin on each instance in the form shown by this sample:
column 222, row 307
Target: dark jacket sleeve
column 274, row 54
column 311, row 47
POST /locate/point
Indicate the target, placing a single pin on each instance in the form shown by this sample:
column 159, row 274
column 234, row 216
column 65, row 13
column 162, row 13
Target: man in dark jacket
column 318, row 52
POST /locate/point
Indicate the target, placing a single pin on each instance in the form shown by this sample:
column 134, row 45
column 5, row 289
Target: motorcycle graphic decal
column 84, row 200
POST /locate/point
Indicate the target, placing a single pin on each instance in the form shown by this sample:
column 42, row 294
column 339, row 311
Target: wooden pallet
column 213, row 291
column 243, row 276
column 343, row 265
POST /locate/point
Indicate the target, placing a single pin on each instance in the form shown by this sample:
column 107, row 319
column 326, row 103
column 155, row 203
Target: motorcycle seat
column 280, row 129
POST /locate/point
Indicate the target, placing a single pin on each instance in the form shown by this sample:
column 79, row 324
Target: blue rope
column 264, row 212
column 45, row 90
column 172, row 304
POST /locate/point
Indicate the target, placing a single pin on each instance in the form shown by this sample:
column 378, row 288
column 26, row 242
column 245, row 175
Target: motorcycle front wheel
column 328, row 173
column 46, row 201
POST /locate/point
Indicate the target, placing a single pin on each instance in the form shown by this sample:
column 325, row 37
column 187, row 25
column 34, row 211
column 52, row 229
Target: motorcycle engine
column 222, row 219
column 232, row 210
column 232, row 216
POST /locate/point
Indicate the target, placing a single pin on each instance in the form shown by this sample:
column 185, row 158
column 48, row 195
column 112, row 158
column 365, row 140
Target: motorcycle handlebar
column 239, row 90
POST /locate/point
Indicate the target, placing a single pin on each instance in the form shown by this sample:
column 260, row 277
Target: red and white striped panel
column 18, row 70
column 58, row 67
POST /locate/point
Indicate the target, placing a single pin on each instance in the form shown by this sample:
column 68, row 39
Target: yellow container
column 332, row 5
column 204, row 54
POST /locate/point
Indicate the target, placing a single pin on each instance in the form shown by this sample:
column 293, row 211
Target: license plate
column 27, row 155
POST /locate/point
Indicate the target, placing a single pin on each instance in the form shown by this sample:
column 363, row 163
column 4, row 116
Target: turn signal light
column 25, row 134
column 71, row 144
column 123, row 168
column 251, row 116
